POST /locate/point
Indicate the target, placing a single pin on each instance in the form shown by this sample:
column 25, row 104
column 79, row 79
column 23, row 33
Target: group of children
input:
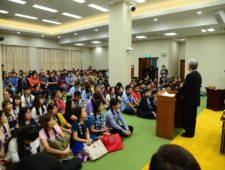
column 40, row 110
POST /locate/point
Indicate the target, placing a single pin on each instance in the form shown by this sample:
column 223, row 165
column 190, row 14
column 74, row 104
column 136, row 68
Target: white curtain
column 15, row 57
column 58, row 59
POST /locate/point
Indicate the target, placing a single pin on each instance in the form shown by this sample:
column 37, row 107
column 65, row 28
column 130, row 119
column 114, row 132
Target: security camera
column 132, row 7
column 130, row 50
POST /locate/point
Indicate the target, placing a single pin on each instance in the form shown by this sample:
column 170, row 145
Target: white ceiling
column 185, row 22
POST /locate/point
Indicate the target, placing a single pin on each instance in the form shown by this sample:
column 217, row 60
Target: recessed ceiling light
column 96, row 42
column 155, row 19
column 42, row 35
column 45, row 8
column 170, row 34
column 59, row 36
column 80, row 1
column 18, row 32
column 141, row 36
column 98, row 7
column 18, row 1
column 203, row 30
column 210, row 29
column 140, row 1
column 182, row 39
column 26, row 16
column 4, row 12
column 71, row 15
column 79, row 44
column 75, row 34
column 51, row 22
column 96, row 29
column 199, row 12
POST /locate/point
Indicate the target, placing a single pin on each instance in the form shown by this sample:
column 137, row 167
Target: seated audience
column 58, row 101
column 77, row 99
column 173, row 157
column 27, row 100
column 39, row 108
column 11, row 116
column 6, row 96
column 95, row 98
column 13, row 83
column 114, row 118
column 59, row 119
column 80, row 132
column 23, row 145
column 70, row 115
column 96, row 121
column 25, row 118
column 5, row 134
column 127, row 102
column 146, row 109
column 17, row 103
column 136, row 94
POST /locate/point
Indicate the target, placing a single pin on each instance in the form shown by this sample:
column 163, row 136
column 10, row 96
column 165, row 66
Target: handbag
column 112, row 142
column 95, row 150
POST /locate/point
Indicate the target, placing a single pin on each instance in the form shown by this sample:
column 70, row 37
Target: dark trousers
column 189, row 120
column 129, row 111
column 120, row 132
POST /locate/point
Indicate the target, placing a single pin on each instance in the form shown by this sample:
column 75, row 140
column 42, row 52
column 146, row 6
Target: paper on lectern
column 167, row 94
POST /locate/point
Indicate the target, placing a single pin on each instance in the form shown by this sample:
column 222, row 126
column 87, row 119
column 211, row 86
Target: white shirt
column 35, row 115
column 24, row 102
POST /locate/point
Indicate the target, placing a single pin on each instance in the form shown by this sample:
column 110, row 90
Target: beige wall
column 210, row 53
column 99, row 58
column 173, row 59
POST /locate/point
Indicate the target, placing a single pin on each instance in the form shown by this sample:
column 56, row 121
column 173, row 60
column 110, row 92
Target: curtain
column 15, row 57
column 58, row 59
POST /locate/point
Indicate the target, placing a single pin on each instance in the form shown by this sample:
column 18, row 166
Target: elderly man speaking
column 190, row 95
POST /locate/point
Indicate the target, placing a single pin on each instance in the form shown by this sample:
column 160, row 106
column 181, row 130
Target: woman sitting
column 25, row 118
column 97, row 121
column 4, row 134
column 113, row 119
column 17, row 103
column 70, row 111
column 23, row 145
column 59, row 119
column 58, row 101
column 146, row 109
column 39, row 108
column 80, row 130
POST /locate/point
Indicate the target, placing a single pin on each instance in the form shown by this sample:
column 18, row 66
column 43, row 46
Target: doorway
column 182, row 69
column 148, row 67
column 132, row 71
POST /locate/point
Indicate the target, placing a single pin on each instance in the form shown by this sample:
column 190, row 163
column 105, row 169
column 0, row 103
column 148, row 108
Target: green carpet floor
column 138, row 148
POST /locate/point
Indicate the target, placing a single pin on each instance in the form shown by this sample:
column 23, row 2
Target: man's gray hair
column 193, row 64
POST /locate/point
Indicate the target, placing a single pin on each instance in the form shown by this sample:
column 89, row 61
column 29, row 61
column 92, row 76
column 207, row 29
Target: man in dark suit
column 190, row 96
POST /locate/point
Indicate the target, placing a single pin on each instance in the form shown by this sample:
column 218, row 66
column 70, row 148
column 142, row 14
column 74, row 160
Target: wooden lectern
column 165, row 116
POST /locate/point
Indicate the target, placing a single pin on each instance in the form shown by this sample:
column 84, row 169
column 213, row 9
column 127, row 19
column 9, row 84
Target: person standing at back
column 190, row 96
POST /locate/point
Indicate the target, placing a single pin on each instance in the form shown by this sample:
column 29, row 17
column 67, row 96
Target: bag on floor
column 112, row 142
column 95, row 150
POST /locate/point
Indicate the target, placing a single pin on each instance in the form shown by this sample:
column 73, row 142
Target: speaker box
column 1, row 38
column 220, row 17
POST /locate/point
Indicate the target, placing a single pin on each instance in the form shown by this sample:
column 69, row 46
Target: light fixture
column 18, row 32
column 203, row 30
column 96, row 29
column 79, row 44
column 155, row 19
column 75, row 34
column 141, row 36
column 98, row 7
column 199, row 12
column 80, row 1
column 59, row 37
column 140, row 1
column 96, row 42
column 18, row 1
column 210, row 29
column 71, row 15
column 43, row 36
column 170, row 34
column 51, row 22
column 26, row 16
column 45, row 8
column 4, row 12
column 182, row 39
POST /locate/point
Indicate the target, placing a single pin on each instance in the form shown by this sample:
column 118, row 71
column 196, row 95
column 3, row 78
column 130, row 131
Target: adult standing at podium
column 190, row 95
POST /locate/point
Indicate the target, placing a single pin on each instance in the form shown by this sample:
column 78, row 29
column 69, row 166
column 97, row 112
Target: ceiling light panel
column 71, row 15
column 26, row 16
column 4, row 12
column 210, row 29
column 140, row 1
column 141, row 36
column 96, row 42
column 79, row 44
column 18, row 1
column 97, row 7
column 170, row 34
column 45, row 8
column 51, row 22
column 203, row 30
column 80, row 1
